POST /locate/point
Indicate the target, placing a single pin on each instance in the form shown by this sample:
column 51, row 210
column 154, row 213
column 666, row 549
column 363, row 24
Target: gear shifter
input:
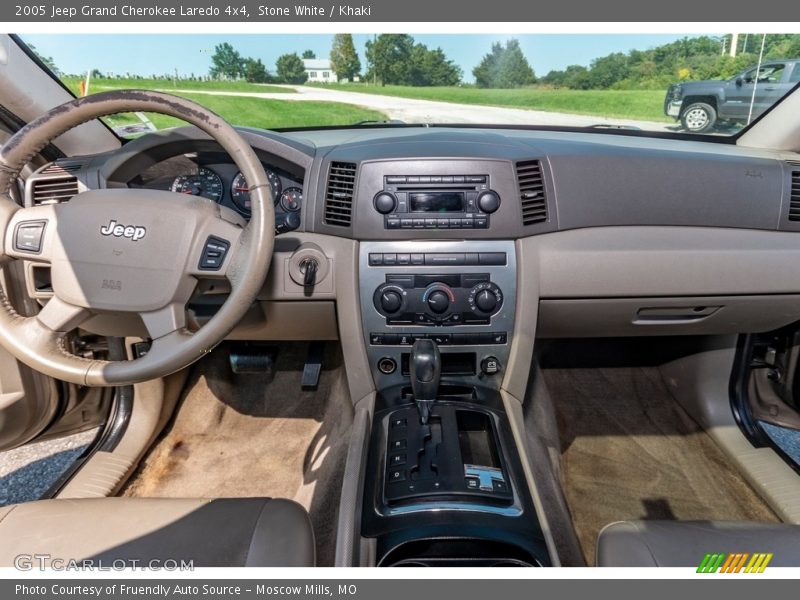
column 426, row 369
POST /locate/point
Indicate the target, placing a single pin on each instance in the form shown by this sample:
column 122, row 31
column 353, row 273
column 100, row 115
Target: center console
column 444, row 483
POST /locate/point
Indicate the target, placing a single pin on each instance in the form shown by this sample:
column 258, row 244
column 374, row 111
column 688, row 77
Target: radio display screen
column 436, row 202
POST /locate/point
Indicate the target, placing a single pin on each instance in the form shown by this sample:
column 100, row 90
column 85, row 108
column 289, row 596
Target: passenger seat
column 227, row 532
column 685, row 543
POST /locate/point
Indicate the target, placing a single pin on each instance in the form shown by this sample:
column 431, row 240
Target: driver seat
column 230, row 532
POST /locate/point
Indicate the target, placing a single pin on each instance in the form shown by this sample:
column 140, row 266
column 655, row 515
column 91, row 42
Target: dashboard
column 483, row 239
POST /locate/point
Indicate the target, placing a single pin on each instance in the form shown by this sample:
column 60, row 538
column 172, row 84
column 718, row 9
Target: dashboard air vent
column 531, row 192
column 52, row 190
column 339, row 194
column 794, row 197
column 61, row 167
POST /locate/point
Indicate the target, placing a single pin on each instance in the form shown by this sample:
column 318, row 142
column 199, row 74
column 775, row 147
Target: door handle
column 770, row 88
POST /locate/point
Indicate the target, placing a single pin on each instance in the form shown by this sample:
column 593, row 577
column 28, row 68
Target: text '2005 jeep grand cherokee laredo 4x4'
column 700, row 105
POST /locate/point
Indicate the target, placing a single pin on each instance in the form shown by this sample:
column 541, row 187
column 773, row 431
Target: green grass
column 101, row 85
column 265, row 114
column 627, row 104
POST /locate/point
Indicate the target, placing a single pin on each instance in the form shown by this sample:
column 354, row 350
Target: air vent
column 794, row 196
column 339, row 194
column 531, row 192
column 52, row 190
column 61, row 167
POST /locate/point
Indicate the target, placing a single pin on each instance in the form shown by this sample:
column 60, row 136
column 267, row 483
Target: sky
column 191, row 53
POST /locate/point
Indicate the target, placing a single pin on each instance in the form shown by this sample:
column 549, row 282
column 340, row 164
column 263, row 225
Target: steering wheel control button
column 214, row 253
column 29, row 235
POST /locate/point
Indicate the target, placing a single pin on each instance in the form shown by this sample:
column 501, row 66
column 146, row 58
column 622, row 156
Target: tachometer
column 240, row 193
column 205, row 183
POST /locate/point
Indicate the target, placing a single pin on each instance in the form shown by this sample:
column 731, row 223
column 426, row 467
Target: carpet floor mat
column 257, row 435
column 629, row 451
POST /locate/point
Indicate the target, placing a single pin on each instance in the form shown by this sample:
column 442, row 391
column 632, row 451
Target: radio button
column 406, row 223
column 481, row 222
column 403, row 259
column 390, row 259
column 455, row 223
column 430, row 223
column 392, row 223
column 458, row 179
column 419, row 223
column 492, row 258
column 425, row 179
column 467, row 223
column 442, row 223
column 417, row 259
column 412, row 179
column 375, row 259
column 447, row 179
column 395, row 179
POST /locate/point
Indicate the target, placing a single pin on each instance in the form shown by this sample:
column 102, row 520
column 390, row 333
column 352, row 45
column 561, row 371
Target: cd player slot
column 425, row 188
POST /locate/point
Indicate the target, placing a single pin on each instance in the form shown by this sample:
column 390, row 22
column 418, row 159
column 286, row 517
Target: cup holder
column 458, row 552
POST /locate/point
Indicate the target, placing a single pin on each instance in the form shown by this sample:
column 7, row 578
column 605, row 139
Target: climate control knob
column 485, row 298
column 486, row 301
column 438, row 302
column 385, row 203
column 391, row 301
column 488, row 201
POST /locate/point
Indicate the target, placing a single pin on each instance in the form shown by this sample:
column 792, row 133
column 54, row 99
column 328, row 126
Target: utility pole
column 734, row 44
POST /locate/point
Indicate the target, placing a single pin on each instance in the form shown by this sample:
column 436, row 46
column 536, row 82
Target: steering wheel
column 123, row 251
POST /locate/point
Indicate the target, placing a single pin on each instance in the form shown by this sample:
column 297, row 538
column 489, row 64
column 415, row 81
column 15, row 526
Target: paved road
column 26, row 473
column 412, row 110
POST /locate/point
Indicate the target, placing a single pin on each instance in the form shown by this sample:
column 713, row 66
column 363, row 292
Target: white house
column 319, row 70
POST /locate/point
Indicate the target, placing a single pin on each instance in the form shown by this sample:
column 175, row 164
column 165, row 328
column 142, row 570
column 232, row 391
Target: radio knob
column 486, row 301
column 391, row 301
column 488, row 201
column 385, row 203
column 438, row 302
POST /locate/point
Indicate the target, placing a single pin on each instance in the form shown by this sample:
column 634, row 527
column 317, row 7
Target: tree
column 47, row 60
column 344, row 58
column 431, row 67
column 291, row 69
column 227, row 63
column 255, row 71
column 309, row 54
column 389, row 57
column 504, row 67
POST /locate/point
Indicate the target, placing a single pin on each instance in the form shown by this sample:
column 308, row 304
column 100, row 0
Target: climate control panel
column 438, row 299
column 461, row 294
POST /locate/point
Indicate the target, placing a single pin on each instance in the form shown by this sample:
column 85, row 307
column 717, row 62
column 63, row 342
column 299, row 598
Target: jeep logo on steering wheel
column 134, row 232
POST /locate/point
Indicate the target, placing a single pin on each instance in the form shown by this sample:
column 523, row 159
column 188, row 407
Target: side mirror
column 739, row 82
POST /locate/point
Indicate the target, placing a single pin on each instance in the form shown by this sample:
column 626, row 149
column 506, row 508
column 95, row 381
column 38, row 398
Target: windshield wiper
column 613, row 126
column 380, row 122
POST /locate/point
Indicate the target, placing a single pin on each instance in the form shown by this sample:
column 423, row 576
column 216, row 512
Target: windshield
column 699, row 84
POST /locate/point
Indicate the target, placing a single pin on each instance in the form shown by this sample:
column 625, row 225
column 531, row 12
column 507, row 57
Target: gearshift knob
column 426, row 370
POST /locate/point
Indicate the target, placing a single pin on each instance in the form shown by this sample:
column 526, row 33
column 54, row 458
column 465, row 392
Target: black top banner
column 283, row 11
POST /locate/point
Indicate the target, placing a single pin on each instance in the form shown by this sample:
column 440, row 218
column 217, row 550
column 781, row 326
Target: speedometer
column 204, row 183
column 240, row 193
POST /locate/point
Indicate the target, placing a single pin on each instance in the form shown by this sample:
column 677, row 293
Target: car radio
column 436, row 201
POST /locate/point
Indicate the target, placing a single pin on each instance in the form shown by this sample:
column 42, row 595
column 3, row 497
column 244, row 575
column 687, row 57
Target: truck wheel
column 698, row 117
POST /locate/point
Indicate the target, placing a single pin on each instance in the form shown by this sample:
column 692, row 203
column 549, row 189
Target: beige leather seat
column 685, row 543
column 240, row 532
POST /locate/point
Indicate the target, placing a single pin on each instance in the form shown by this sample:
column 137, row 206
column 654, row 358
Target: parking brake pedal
column 313, row 367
